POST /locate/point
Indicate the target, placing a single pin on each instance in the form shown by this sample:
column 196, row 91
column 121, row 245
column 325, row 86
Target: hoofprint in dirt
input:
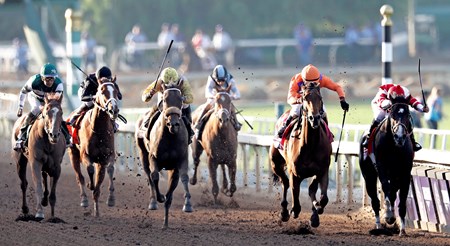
column 252, row 219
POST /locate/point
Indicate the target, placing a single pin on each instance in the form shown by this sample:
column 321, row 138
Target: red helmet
column 397, row 92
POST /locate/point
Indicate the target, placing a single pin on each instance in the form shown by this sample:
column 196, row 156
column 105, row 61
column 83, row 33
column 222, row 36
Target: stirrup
column 417, row 147
column 19, row 145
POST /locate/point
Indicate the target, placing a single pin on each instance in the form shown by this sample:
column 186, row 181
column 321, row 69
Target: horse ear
column 114, row 79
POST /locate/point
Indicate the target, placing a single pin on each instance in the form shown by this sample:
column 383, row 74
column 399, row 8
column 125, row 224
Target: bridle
column 310, row 90
column 222, row 110
column 112, row 100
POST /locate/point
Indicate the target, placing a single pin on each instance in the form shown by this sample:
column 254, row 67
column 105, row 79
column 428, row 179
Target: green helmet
column 49, row 70
column 169, row 75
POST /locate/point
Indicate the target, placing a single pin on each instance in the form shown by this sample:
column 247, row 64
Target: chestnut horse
column 393, row 155
column 164, row 146
column 307, row 153
column 96, row 146
column 219, row 140
column 44, row 152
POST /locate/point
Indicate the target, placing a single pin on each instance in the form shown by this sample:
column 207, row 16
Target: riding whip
column 421, row 88
column 239, row 112
column 87, row 76
column 340, row 136
column 162, row 64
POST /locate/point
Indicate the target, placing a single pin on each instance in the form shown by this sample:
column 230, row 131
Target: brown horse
column 306, row 154
column 219, row 141
column 164, row 146
column 96, row 145
column 44, row 152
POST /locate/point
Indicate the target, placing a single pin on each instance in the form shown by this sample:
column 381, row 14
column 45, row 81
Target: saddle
column 295, row 124
column 73, row 130
column 149, row 122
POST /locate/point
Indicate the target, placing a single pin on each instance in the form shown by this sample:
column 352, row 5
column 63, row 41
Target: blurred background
column 262, row 42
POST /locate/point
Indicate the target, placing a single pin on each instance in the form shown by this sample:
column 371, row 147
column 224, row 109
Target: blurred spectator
column 135, row 55
column 416, row 115
column 304, row 44
column 180, row 56
column 435, row 103
column 351, row 40
column 202, row 45
column 165, row 36
column 21, row 57
column 88, row 44
column 223, row 46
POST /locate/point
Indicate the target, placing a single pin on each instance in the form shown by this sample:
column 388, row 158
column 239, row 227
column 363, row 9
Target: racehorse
column 164, row 146
column 96, row 144
column 305, row 154
column 393, row 154
column 219, row 142
column 44, row 152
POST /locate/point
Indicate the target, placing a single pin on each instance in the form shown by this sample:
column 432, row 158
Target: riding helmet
column 310, row 73
column 220, row 73
column 103, row 72
column 169, row 75
column 49, row 70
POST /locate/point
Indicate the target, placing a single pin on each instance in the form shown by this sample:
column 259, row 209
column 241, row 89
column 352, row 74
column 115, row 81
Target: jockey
column 219, row 77
column 37, row 85
column 88, row 89
column 383, row 100
column 309, row 74
column 170, row 75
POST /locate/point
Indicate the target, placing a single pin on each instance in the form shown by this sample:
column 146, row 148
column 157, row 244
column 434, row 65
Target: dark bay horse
column 393, row 154
column 219, row 141
column 165, row 147
column 45, row 152
column 306, row 153
column 96, row 146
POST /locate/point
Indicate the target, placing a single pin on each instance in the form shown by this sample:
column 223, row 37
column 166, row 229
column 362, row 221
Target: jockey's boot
column 285, row 125
column 77, row 114
column 237, row 126
column 374, row 125
column 66, row 134
column 23, row 131
column 187, row 119
column 416, row 145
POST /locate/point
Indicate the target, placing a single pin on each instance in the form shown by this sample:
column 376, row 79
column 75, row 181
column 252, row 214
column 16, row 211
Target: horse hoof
column 84, row 203
column 320, row 210
column 161, row 199
column 39, row 215
column 315, row 221
column 193, row 181
column 111, row 201
column 390, row 220
column 44, row 202
column 153, row 206
column 402, row 233
column 284, row 216
column 188, row 208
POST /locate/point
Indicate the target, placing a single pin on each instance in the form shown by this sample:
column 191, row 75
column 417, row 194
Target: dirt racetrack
column 251, row 220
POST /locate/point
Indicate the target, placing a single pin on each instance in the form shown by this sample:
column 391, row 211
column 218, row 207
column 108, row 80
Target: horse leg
column 91, row 171
column 197, row 151
column 22, row 171
column 403, row 195
column 173, row 178
column 322, row 203
column 74, row 155
column 187, row 207
column 370, row 176
column 224, row 180
column 37, row 180
column 232, row 176
column 294, row 183
column 154, row 176
column 153, row 205
column 111, row 201
column 212, row 166
column 44, row 201
column 278, row 163
column 54, row 181
column 100, row 176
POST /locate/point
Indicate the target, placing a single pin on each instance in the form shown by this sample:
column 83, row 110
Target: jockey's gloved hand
column 19, row 111
column 344, row 104
column 386, row 104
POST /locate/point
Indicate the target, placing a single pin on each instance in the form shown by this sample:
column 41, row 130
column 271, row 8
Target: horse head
column 312, row 105
column 222, row 104
column 106, row 97
column 400, row 122
column 52, row 114
column 172, row 104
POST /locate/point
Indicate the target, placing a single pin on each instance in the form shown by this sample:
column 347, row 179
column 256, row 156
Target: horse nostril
column 310, row 118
